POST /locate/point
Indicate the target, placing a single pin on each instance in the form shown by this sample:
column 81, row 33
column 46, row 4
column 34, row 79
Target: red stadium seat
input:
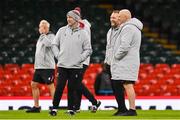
column 159, row 76
column 170, row 90
column 27, row 66
column 6, row 66
column 175, row 66
column 177, row 82
column 161, row 66
column 149, row 68
column 142, row 75
column 7, row 76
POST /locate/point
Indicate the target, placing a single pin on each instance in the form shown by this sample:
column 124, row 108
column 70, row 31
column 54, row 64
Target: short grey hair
column 45, row 22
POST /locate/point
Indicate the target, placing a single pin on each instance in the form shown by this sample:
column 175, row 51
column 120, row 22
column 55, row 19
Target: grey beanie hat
column 74, row 14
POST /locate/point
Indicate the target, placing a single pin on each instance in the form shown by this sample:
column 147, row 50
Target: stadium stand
column 160, row 50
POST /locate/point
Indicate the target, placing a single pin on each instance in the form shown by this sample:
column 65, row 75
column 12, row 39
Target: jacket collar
column 75, row 29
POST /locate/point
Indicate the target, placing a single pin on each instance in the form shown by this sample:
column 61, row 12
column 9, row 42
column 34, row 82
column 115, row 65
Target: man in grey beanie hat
column 71, row 46
column 75, row 14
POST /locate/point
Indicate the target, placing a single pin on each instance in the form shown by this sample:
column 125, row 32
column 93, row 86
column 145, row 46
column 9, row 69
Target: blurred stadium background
column 160, row 49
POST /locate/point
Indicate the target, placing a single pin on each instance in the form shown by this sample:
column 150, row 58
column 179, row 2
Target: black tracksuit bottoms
column 83, row 90
column 118, row 90
column 73, row 76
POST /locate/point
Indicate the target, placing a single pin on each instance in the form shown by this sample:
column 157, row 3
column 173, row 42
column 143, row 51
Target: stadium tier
column 160, row 56
column 158, row 80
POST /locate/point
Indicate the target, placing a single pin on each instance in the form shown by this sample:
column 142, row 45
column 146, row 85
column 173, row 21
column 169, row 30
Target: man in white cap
column 71, row 47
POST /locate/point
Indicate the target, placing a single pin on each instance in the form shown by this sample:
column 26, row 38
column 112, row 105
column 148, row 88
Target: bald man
column 44, row 65
column 124, row 15
column 125, row 60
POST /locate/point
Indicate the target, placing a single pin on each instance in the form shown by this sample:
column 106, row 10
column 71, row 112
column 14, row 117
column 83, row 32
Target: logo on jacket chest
column 72, row 37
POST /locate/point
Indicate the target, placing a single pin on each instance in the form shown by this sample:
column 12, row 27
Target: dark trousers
column 74, row 79
column 118, row 90
column 108, row 69
column 83, row 90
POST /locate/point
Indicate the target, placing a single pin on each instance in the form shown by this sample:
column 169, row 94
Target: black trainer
column 34, row 110
column 53, row 112
column 118, row 112
column 130, row 112
column 94, row 108
column 70, row 112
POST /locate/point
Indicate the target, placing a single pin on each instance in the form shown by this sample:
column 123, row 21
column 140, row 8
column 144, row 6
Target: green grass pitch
column 87, row 115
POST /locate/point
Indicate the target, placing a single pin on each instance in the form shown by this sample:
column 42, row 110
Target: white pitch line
column 87, row 119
